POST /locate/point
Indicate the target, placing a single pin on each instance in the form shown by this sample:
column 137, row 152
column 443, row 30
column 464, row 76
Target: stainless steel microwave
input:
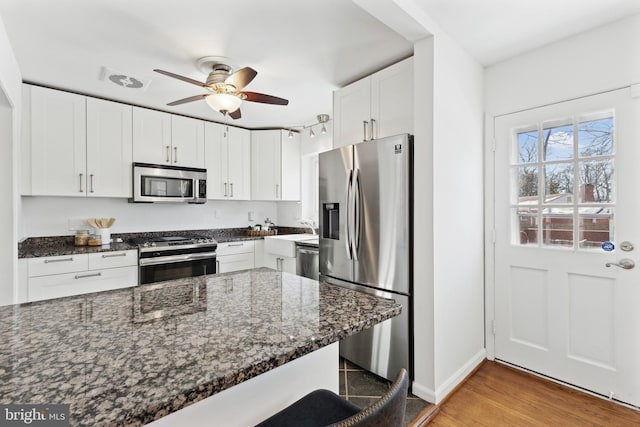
column 159, row 183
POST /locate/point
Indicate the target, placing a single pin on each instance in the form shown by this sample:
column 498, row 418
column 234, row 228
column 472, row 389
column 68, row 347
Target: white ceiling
column 302, row 50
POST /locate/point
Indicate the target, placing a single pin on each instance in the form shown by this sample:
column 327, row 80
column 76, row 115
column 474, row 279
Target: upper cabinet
column 275, row 165
column 109, row 148
column 374, row 107
column 151, row 136
column 187, row 142
column 74, row 145
column 165, row 139
column 228, row 162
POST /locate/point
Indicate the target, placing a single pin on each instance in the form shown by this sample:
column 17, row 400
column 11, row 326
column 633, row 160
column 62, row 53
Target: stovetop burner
column 165, row 241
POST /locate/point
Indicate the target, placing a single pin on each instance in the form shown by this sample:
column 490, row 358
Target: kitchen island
column 135, row 355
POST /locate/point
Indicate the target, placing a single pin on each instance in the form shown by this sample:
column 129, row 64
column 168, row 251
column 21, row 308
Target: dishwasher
column 307, row 262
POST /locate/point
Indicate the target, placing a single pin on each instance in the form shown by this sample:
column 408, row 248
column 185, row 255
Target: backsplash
column 53, row 216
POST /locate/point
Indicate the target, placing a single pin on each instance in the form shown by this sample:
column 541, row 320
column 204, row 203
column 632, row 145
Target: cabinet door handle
column 168, row 153
column 277, row 190
column 373, row 126
column 81, row 176
column 217, row 266
column 84, row 276
column 231, row 187
column 91, row 183
column 279, row 265
column 114, row 255
column 225, row 189
column 49, row 261
column 175, row 154
column 364, row 130
column 235, row 244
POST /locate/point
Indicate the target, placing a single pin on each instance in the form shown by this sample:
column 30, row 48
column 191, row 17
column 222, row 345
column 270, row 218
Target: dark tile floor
column 363, row 388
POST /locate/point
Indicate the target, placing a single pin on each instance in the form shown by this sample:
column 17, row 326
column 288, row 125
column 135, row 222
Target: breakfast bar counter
column 134, row 355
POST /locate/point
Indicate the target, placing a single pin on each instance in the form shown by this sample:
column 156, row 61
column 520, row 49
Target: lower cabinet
column 234, row 256
column 280, row 263
column 61, row 276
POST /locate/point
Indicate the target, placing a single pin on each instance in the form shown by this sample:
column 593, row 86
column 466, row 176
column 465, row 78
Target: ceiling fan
column 225, row 88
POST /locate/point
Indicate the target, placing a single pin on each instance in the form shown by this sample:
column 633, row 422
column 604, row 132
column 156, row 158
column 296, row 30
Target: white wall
column 458, row 205
column 594, row 61
column 52, row 216
column 309, row 149
column 10, row 84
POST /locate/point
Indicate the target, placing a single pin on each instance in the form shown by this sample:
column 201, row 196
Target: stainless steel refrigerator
column 366, row 241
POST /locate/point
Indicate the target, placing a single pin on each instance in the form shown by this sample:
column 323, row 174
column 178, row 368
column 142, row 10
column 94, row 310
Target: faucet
column 311, row 224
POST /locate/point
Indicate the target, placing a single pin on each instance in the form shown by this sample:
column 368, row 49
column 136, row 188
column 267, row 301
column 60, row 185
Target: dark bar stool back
column 322, row 408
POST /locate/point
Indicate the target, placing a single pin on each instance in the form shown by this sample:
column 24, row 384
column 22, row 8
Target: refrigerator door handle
column 348, row 205
column 357, row 215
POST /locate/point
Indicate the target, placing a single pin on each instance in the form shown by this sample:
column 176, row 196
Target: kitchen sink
column 285, row 245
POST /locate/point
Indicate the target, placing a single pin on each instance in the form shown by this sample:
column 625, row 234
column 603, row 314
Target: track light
column 311, row 133
column 323, row 130
column 290, row 134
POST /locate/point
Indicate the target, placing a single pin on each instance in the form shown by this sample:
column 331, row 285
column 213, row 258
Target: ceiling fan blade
column 189, row 99
column 265, row 99
column 235, row 114
column 183, row 78
column 241, row 78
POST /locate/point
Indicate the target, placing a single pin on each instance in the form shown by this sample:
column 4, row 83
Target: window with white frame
column 562, row 183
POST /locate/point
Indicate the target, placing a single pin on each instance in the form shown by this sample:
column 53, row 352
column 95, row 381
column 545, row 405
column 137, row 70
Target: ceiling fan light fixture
column 223, row 102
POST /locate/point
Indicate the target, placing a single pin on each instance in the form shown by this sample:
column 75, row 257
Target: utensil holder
column 105, row 235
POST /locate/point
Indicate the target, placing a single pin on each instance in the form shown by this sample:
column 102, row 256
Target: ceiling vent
column 121, row 79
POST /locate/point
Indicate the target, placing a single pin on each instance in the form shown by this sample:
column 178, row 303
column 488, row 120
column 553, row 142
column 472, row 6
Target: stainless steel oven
column 175, row 257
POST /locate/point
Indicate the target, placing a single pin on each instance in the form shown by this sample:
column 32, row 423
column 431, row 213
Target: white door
column 265, row 165
column 187, row 142
column 352, row 113
column 567, row 181
column 215, row 153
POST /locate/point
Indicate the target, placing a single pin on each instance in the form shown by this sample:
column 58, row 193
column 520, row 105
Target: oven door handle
column 176, row 258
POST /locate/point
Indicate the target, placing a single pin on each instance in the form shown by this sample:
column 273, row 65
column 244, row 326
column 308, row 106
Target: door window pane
column 557, row 143
column 527, row 184
column 595, row 138
column 558, row 183
column 528, row 147
column 557, row 227
column 595, row 226
column 596, row 181
column 526, row 225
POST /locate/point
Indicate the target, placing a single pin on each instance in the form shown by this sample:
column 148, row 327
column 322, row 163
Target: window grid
column 570, row 219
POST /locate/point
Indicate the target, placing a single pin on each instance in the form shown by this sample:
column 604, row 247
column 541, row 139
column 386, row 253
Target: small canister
column 82, row 238
column 95, row 240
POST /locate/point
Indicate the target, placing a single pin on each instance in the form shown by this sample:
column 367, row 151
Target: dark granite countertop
column 129, row 356
column 34, row 247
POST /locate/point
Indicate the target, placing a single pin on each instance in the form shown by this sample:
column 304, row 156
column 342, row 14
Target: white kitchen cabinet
column 151, row 136
column 55, row 142
column 234, row 256
column 374, row 107
column 75, row 145
column 228, row 162
column 166, row 139
column 275, row 165
column 187, row 142
column 60, row 276
column 280, row 263
column 109, row 148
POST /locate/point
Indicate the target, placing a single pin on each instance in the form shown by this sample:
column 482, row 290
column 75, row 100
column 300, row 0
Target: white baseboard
column 455, row 379
column 436, row 396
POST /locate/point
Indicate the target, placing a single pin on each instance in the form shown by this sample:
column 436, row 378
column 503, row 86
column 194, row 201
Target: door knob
column 625, row 263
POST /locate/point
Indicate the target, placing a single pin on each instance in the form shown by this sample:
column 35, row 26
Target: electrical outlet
column 251, row 216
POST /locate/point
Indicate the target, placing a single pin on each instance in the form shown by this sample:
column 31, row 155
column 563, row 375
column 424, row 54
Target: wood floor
column 497, row 395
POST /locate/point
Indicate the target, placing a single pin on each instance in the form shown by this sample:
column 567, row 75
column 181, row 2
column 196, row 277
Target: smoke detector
column 109, row 75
